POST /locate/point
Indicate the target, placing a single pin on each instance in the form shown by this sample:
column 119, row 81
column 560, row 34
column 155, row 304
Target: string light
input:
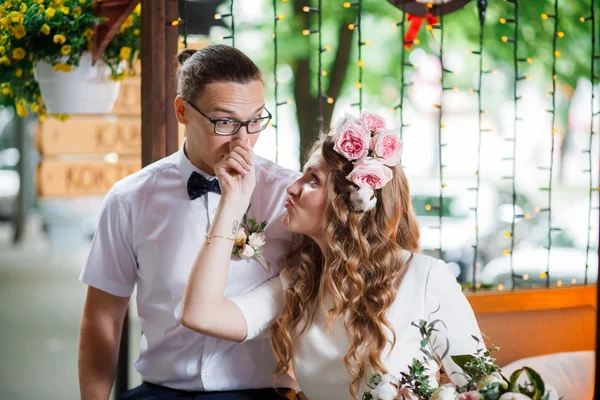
column 232, row 28
column 516, row 59
column 593, row 79
column 358, row 24
column 482, row 5
column 320, row 95
column 441, row 145
column 403, row 84
column 276, row 18
column 548, row 189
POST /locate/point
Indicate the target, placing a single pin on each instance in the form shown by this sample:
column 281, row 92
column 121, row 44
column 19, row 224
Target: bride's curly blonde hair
column 359, row 273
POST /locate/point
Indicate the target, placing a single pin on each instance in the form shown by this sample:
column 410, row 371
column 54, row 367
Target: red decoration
column 415, row 26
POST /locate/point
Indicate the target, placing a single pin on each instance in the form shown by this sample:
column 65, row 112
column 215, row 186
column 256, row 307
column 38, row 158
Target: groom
column 150, row 227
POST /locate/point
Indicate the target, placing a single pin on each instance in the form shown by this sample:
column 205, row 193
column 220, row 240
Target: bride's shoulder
column 421, row 266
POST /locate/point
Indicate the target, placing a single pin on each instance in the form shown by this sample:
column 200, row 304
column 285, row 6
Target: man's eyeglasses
column 228, row 127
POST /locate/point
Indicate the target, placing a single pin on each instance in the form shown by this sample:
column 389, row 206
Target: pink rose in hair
column 375, row 123
column 352, row 141
column 370, row 173
column 388, row 147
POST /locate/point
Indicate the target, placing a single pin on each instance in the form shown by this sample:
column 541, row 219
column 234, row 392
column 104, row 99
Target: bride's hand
column 236, row 173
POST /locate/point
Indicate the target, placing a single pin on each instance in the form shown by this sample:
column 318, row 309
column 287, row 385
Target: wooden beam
column 171, row 49
column 153, row 81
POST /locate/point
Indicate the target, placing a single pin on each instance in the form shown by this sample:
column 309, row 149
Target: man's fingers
column 245, row 153
column 236, row 165
column 241, row 160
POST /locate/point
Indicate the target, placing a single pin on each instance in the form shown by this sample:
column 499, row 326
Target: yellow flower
column 16, row 17
column 7, row 92
column 45, row 29
column 125, row 53
column 19, row 53
column 19, row 72
column 21, row 107
column 129, row 21
column 23, row 8
column 62, row 67
column 18, row 31
column 89, row 33
column 50, row 12
column 77, row 11
column 57, row 3
column 34, row 107
column 60, row 39
column 43, row 117
column 41, row 9
column 5, row 60
column 138, row 9
column 2, row 49
column 64, row 10
column 65, row 50
column 82, row 1
column 39, row 1
column 136, row 32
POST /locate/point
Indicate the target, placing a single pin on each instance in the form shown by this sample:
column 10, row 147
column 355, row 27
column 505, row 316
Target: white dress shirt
column 148, row 235
column 318, row 358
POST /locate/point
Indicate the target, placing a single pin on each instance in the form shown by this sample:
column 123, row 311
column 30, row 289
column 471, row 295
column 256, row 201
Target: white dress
column 319, row 355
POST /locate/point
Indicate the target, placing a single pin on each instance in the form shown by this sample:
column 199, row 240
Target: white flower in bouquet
column 514, row 396
column 387, row 389
column 240, row 237
column 445, row 392
column 246, row 252
column 363, row 199
column 492, row 378
column 256, row 240
column 472, row 395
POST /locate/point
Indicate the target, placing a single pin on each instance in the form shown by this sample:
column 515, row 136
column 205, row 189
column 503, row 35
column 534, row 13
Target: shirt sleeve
column 111, row 265
column 261, row 306
column 445, row 301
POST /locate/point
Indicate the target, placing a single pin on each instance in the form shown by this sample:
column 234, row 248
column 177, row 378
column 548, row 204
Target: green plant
column 57, row 32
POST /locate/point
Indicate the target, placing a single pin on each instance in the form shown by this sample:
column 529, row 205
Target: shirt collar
column 186, row 167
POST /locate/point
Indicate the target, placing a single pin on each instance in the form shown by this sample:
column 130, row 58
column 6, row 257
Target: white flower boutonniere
column 250, row 239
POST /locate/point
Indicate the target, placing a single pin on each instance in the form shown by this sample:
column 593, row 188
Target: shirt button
column 207, row 374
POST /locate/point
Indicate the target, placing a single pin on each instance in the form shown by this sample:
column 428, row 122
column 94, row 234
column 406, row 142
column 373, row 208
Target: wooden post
column 159, row 126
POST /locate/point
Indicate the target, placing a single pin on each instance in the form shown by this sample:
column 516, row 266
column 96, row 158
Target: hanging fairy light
column 358, row 27
column 594, row 79
column 232, row 28
column 555, row 54
column 482, row 6
column 514, row 41
column 276, row 18
column 320, row 72
column 403, row 65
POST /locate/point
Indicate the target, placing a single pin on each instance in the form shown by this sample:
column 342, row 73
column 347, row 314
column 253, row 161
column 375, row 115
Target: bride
column 342, row 308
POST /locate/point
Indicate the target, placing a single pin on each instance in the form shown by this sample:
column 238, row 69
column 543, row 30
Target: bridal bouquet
column 484, row 380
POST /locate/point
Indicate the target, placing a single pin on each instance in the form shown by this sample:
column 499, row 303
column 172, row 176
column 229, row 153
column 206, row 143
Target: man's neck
column 197, row 162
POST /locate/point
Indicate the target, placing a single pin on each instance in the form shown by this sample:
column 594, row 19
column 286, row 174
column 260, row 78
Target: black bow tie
column 198, row 186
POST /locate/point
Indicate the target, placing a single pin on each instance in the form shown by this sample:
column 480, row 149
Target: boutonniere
column 250, row 239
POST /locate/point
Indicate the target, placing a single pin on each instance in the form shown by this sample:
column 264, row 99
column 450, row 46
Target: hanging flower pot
column 49, row 59
column 83, row 89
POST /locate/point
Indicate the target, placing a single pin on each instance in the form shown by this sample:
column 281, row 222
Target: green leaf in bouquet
column 262, row 226
column 462, row 360
column 374, row 381
column 535, row 381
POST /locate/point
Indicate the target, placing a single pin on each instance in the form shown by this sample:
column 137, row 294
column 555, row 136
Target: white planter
column 86, row 89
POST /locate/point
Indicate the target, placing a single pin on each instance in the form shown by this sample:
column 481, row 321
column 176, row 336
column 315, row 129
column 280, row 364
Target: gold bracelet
column 209, row 238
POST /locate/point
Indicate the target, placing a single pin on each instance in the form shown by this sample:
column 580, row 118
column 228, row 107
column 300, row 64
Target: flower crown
column 373, row 149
